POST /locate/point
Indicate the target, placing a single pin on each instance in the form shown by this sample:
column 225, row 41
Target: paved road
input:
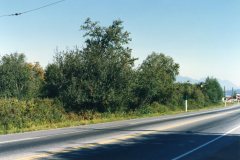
column 199, row 136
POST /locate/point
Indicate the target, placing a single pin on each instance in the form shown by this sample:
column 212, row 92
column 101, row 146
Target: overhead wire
column 32, row 10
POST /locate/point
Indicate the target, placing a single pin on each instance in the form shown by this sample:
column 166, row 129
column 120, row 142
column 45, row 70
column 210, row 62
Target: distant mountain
column 229, row 92
column 183, row 79
column 228, row 84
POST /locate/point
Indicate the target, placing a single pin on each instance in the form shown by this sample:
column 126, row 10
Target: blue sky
column 201, row 35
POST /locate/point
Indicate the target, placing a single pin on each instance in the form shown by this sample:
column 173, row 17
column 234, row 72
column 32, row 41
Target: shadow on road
column 157, row 146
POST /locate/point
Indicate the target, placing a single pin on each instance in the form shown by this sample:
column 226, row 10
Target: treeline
column 101, row 77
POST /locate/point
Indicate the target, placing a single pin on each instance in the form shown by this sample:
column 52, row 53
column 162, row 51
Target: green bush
column 18, row 114
column 155, row 107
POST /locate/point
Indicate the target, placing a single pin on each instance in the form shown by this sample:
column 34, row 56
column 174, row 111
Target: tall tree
column 98, row 75
column 212, row 90
column 156, row 78
column 19, row 78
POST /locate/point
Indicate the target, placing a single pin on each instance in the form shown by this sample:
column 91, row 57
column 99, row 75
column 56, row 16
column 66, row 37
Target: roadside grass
column 73, row 119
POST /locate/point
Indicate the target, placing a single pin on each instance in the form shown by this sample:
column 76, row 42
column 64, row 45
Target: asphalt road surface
column 208, row 135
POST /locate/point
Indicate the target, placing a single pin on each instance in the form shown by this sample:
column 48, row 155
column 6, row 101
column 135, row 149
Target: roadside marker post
column 186, row 105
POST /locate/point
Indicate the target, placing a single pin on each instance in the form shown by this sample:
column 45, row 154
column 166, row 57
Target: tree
column 108, row 63
column 192, row 92
column 37, row 77
column 212, row 90
column 156, row 78
column 98, row 76
column 19, row 78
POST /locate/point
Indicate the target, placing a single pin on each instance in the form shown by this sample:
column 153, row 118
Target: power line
column 32, row 10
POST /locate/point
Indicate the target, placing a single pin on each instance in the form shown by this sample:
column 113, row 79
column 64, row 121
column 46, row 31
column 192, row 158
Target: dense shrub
column 19, row 79
column 155, row 107
column 17, row 114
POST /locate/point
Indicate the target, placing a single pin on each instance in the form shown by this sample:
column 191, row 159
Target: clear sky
column 201, row 35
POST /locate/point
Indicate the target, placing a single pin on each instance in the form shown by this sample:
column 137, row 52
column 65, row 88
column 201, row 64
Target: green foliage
column 198, row 95
column 101, row 77
column 155, row 79
column 19, row 78
column 53, row 78
column 18, row 114
column 212, row 90
column 96, row 77
column 192, row 92
column 36, row 83
column 95, row 82
column 155, row 107
column 177, row 96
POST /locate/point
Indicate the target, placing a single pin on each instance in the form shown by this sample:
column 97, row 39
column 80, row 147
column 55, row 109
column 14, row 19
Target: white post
column 186, row 106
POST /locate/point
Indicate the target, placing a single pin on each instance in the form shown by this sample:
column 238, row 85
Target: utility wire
column 32, row 10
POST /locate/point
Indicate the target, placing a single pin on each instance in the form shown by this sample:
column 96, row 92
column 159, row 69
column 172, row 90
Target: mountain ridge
column 224, row 83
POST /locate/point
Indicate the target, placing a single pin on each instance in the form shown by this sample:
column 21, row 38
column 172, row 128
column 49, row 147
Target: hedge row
column 18, row 114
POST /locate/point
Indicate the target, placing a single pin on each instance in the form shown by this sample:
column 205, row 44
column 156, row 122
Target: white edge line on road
column 205, row 144
column 52, row 135
column 58, row 134
column 39, row 137
column 182, row 116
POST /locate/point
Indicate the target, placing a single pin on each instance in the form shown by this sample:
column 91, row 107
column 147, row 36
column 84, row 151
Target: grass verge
column 89, row 117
